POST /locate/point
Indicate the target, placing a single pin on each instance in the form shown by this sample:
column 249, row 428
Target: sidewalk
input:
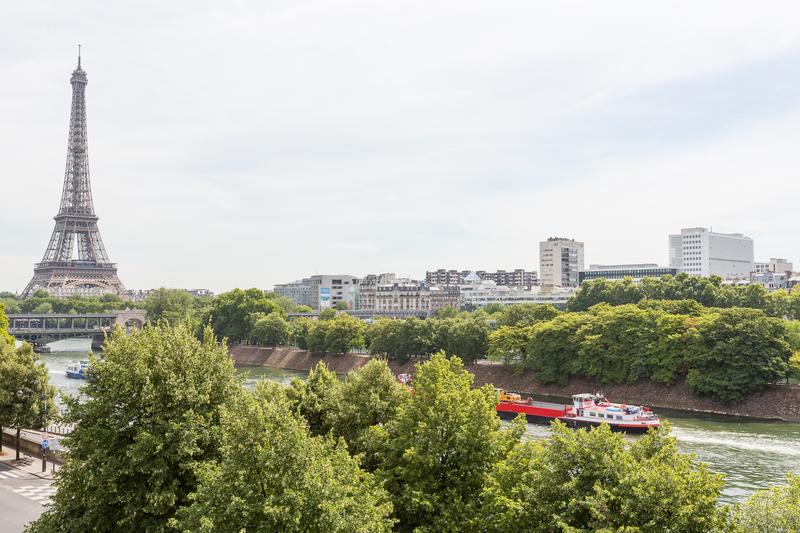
column 26, row 464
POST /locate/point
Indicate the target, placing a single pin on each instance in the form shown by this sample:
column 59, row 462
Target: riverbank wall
column 776, row 402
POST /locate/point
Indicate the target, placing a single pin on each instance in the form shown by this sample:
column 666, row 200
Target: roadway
column 24, row 492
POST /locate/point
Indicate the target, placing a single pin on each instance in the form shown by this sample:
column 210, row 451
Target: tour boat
column 77, row 370
column 587, row 410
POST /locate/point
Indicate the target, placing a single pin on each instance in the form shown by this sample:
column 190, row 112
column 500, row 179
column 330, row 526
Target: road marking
column 8, row 474
column 41, row 493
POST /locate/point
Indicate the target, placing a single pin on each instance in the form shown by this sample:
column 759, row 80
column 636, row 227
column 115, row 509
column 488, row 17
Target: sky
column 242, row 144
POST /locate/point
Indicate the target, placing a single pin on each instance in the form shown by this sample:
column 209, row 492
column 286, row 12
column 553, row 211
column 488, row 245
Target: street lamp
column 21, row 394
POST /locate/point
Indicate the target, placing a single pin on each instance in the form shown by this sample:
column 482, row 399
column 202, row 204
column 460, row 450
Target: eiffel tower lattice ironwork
column 76, row 262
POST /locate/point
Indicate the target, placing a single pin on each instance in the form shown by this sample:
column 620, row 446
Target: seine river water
column 752, row 455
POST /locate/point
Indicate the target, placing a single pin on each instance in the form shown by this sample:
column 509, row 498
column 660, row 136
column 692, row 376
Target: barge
column 587, row 410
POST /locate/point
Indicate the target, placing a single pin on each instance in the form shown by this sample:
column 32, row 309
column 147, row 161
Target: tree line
column 708, row 292
column 726, row 354
column 166, row 439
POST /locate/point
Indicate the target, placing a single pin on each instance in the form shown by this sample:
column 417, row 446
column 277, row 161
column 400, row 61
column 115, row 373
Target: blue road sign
column 45, row 444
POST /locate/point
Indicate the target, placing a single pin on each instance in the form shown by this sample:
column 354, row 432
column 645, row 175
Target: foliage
column 467, row 338
column 271, row 330
column 794, row 366
column 26, row 396
column 526, row 314
column 273, row 476
column 335, row 335
column 440, row 447
column 170, row 305
column 370, row 397
column 343, row 333
column 400, row 339
column 303, row 309
column 233, row 314
column 5, row 338
column 596, row 481
column 316, row 398
column 299, row 329
column 42, row 302
column 148, row 423
column 708, row 292
column 736, row 352
column 328, row 314
column 553, row 347
column 510, row 345
column 341, row 306
column 774, row 510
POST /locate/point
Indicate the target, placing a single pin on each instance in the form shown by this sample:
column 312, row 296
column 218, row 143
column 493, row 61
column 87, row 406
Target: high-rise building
column 560, row 260
column 780, row 266
column 701, row 252
column 75, row 262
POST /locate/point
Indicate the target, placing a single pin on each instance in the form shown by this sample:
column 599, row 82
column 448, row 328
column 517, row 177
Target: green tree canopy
column 26, row 396
column 273, row 476
column 4, row 336
column 773, row 510
column 370, row 397
column 271, row 330
column 171, row 305
column 147, row 424
column 596, row 481
column 316, row 398
column 526, row 314
column 736, row 352
column 233, row 314
column 343, row 333
column 440, row 447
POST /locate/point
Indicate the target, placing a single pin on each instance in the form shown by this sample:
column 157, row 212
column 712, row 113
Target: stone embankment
column 776, row 402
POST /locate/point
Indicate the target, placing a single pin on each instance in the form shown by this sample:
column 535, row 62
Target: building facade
column 519, row 277
column 475, row 293
column 635, row 271
column 297, row 291
column 701, row 252
column 386, row 294
column 560, row 261
column 321, row 291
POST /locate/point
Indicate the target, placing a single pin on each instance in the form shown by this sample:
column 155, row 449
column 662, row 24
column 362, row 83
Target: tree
column 509, row 344
column 44, row 308
column 343, row 333
column 596, row 481
column 316, row 338
column 299, row 329
column 303, row 309
column 147, row 425
column 328, row 314
column 5, row 338
column 233, row 314
column 553, row 347
column 736, row 352
column 341, row 306
column 370, row 397
column 26, row 396
column 467, row 338
column 526, row 314
column 773, row 510
column 273, row 476
column 170, row 305
column 440, row 447
column 316, row 399
column 272, row 330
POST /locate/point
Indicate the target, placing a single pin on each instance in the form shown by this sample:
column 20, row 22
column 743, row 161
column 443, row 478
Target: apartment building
column 702, row 252
column 560, row 261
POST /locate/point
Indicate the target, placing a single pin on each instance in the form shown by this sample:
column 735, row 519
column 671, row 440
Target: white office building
column 560, row 261
column 701, row 252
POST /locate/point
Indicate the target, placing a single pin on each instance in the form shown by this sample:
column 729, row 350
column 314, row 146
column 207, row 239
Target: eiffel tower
column 91, row 273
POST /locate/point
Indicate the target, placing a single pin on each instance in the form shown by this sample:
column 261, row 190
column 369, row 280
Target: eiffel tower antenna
column 75, row 262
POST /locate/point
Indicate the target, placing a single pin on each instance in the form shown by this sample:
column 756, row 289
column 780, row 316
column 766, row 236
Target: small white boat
column 77, row 370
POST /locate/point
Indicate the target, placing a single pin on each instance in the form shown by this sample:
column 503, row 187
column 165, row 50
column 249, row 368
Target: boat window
column 619, row 417
column 609, row 416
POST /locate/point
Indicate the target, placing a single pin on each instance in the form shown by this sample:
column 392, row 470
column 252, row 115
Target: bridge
column 43, row 328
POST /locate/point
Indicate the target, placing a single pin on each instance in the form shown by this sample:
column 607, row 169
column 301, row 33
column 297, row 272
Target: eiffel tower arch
column 75, row 262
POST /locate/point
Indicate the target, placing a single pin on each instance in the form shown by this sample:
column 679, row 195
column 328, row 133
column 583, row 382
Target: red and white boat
column 587, row 410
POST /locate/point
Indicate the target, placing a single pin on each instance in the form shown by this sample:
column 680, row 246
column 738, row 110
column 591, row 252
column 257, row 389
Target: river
column 751, row 454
